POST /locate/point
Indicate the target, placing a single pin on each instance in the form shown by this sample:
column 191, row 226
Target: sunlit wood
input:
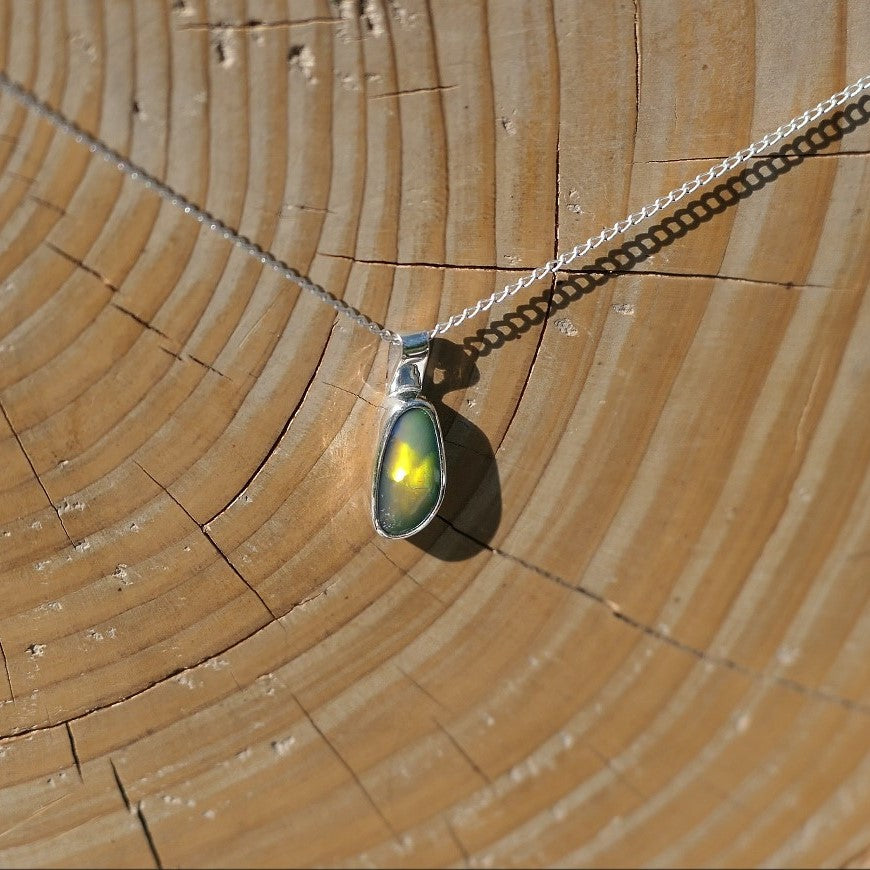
column 637, row 634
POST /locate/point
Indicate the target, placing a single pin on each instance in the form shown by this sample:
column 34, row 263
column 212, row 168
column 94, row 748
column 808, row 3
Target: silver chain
column 137, row 173
column 687, row 187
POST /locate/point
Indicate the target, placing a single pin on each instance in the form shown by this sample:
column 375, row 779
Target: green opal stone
column 408, row 489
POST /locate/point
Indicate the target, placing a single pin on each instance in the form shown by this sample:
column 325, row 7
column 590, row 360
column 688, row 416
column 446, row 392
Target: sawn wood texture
column 639, row 631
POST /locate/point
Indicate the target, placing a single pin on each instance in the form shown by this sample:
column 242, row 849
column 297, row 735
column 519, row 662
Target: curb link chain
column 137, row 173
column 730, row 163
column 123, row 165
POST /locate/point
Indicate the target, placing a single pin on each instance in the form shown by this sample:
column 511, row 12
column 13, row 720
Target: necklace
column 409, row 476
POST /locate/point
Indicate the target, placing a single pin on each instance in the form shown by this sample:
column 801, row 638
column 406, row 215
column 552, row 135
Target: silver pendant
column 409, row 475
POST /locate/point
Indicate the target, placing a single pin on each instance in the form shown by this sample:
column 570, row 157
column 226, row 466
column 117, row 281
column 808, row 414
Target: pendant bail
column 407, row 379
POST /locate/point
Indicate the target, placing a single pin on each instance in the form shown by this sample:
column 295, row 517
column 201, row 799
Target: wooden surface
column 639, row 634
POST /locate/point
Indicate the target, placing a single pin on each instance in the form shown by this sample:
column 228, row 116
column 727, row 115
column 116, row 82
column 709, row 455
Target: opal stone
column 408, row 488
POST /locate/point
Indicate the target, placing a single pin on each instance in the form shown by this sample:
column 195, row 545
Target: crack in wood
column 637, row 67
column 548, row 298
column 547, row 294
column 223, row 556
column 785, row 155
column 466, row 858
column 583, row 270
column 315, row 209
column 708, row 658
column 705, row 276
column 148, row 836
column 46, row 204
column 350, row 393
column 25, row 178
column 74, row 751
column 280, row 437
column 618, row 774
column 80, row 264
column 254, row 25
column 440, row 145
column 423, row 264
column 137, row 811
column 212, row 656
column 174, row 354
column 791, row 684
column 422, row 689
column 205, row 365
column 591, row 270
column 321, row 593
column 411, row 577
column 6, row 671
column 141, row 320
column 183, row 356
column 347, row 766
column 120, row 785
column 411, row 91
column 35, row 473
column 461, row 750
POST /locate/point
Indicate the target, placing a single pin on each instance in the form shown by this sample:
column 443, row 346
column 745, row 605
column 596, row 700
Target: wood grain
column 639, row 631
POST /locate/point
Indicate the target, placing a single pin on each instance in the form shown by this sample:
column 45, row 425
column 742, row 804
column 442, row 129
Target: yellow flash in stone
column 411, row 468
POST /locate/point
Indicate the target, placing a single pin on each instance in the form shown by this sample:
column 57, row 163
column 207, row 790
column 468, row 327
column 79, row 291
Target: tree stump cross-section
column 638, row 630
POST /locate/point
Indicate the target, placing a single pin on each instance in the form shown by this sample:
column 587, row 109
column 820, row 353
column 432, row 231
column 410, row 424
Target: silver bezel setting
column 394, row 410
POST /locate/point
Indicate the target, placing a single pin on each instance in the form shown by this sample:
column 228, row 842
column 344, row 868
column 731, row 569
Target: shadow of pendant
column 471, row 509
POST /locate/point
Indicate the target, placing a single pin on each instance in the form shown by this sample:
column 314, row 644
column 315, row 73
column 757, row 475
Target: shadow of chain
column 670, row 229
